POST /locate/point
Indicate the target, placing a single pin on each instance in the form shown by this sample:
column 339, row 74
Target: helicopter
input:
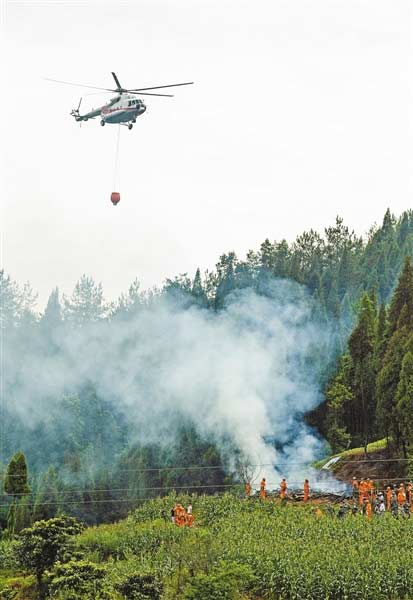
column 124, row 108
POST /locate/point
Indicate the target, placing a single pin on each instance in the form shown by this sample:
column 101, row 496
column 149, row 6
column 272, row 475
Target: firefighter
column 370, row 488
column 409, row 494
column 263, row 493
column 368, row 509
column 389, row 493
column 362, row 492
column 306, row 490
column 283, row 488
column 247, row 489
column 189, row 516
column 401, row 495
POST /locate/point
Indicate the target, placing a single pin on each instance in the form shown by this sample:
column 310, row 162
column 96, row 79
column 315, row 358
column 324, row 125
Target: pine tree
column 15, row 480
column 16, row 485
column 399, row 330
column 46, row 503
column 402, row 296
column 361, row 347
column 381, row 334
column 11, row 301
column 198, row 291
column 52, row 316
column 87, row 304
column 404, row 403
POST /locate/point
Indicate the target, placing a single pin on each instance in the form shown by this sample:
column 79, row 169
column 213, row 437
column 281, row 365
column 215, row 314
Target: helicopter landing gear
column 130, row 126
column 102, row 122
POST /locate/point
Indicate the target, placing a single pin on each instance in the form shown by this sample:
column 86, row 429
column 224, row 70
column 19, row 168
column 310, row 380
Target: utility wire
column 273, row 465
column 292, row 487
column 172, row 486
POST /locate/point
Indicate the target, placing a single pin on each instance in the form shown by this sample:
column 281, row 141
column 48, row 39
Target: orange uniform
column 248, row 489
column 401, row 495
column 263, row 493
column 283, row 488
column 368, row 510
column 388, row 497
column 370, row 488
column 189, row 520
column 363, row 491
column 306, row 490
column 180, row 515
column 409, row 494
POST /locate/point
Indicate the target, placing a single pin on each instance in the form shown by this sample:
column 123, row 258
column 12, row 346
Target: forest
column 83, row 453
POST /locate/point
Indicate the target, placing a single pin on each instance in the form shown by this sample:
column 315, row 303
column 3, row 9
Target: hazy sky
column 300, row 111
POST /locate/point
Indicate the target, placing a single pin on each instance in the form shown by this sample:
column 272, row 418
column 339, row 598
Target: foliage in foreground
column 243, row 549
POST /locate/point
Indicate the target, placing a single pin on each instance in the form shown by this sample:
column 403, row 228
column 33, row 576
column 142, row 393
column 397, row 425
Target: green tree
column 198, row 291
column 87, row 304
column 404, row 402
column 11, row 301
column 41, row 545
column 361, row 348
column 400, row 327
column 78, row 579
column 338, row 396
column 15, row 480
column 52, row 316
column 403, row 296
column 47, row 503
column 141, row 587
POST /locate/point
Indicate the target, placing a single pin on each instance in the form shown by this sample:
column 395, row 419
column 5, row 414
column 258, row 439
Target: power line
column 272, row 465
column 292, row 486
column 173, row 486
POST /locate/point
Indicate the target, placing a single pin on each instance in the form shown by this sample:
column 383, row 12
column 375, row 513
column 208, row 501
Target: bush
column 8, row 554
column 127, row 537
column 46, row 542
column 78, row 579
column 225, row 583
column 141, row 587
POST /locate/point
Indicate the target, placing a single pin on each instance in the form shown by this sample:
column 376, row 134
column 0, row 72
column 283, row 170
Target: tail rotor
column 75, row 112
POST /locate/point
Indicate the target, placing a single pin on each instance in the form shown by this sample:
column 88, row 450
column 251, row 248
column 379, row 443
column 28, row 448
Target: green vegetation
column 89, row 443
column 371, row 394
column 87, row 460
column 371, row 448
column 238, row 549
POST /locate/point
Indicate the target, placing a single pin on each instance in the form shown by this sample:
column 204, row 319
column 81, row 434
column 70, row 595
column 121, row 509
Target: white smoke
column 245, row 375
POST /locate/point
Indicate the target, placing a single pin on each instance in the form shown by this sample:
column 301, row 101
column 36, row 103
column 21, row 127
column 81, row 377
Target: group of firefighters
column 395, row 498
column 283, row 489
column 366, row 497
column 182, row 517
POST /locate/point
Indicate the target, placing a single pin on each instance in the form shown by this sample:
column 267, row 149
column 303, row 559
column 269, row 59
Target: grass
column 22, row 586
column 249, row 550
column 372, row 447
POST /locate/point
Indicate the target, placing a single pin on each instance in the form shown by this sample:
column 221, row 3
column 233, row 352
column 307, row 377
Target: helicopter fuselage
column 121, row 109
column 124, row 110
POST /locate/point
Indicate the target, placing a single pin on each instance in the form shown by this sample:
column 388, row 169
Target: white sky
column 300, row 111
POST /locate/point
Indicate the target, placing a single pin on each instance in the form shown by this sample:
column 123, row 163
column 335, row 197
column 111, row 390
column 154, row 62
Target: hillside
column 109, row 401
column 236, row 549
column 377, row 464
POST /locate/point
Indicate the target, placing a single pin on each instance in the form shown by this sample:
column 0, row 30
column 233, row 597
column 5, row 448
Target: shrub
column 78, row 579
column 141, row 587
column 41, row 545
column 225, row 583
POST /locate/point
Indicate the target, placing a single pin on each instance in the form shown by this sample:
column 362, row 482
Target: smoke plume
column 245, row 375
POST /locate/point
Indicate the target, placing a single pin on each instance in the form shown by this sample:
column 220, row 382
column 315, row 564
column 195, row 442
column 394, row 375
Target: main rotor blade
column 159, row 87
column 149, row 94
column 93, row 87
column 116, row 81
